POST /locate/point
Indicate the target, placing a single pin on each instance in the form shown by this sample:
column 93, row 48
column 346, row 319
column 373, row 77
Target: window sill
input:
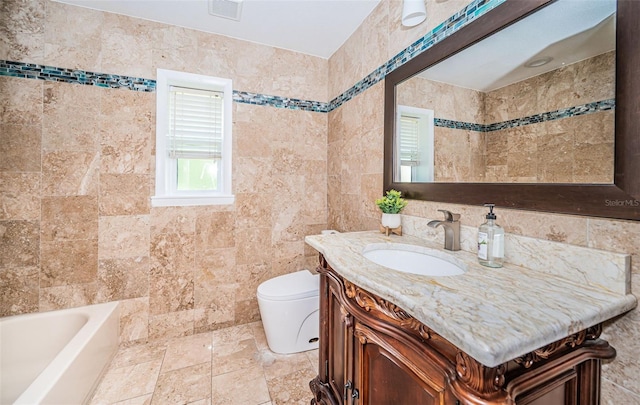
column 188, row 201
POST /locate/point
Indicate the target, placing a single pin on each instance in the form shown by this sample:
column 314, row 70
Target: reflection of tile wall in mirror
column 577, row 148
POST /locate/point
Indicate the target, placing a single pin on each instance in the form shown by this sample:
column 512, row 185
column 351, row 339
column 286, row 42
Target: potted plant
column 391, row 205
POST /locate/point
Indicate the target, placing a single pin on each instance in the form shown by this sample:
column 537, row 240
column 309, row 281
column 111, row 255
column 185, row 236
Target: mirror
column 481, row 139
column 533, row 103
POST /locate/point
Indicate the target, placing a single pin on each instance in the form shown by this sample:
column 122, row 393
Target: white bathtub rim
column 45, row 382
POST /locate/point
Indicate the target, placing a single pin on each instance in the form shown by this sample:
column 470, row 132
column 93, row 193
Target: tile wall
column 460, row 150
column 533, row 131
column 78, row 170
column 573, row 149
column 356, row 129
column 76, row 225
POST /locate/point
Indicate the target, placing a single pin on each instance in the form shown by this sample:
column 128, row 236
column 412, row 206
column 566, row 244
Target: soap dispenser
column 491, row 241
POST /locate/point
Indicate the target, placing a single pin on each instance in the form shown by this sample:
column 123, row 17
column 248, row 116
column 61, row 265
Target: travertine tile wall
column 353, row 184
column 582, row 82
column 459, row 153
column 576, row 149
column 85, row 195
column 570, row 150
column 77, row 172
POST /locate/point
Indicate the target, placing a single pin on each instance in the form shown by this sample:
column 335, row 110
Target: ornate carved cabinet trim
column 564, row 372
column 479, row 378
column 321, row 393
column 385, row 309
column 575, row 340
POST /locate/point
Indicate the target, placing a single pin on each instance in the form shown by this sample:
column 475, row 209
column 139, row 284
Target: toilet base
column 281, row 338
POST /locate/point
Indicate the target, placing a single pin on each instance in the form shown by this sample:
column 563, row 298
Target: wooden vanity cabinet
column 374, row 353
column 359, row 364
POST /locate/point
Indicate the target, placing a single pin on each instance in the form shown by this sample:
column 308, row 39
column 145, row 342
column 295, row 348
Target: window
column 193, row 140
column 414, row 146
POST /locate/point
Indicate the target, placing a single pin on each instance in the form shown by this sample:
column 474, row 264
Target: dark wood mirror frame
column 618, row 200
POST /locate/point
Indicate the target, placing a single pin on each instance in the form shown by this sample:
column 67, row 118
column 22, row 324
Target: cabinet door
column 340, row 343
column 560, row 390
column 385, row 375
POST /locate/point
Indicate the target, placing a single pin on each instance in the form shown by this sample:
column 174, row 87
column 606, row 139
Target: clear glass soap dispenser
column 491, row 241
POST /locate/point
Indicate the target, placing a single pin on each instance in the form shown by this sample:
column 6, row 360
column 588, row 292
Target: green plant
column 392, row 203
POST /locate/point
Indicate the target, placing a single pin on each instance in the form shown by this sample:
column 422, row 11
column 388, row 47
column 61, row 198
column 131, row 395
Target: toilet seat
column 292, row 286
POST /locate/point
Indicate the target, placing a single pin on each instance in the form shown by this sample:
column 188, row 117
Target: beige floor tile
column 292, row 389
column 234, row 356
column 206, row 401
column 258, row 334
column 224, row 367
column 187, row 351
column 143, row 400
column 183, row 386
column 314, row 358
column 143, row 353
column 232, row 334
column 233, row 388
column 127, row 382
column 278, row 365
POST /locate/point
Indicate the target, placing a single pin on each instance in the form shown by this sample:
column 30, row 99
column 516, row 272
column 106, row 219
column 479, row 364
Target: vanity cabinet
column 373, row 353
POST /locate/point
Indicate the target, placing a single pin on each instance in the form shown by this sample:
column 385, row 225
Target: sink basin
column 414, row 259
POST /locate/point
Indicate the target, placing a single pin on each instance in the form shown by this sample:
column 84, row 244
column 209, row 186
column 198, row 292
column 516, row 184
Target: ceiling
column 567, row 31
column 313, row 27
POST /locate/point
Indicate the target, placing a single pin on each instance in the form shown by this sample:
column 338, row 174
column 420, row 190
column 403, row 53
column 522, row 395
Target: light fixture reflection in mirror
column 538, row 62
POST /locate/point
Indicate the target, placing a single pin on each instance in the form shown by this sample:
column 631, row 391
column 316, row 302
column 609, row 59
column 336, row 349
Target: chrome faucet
column 451, row 225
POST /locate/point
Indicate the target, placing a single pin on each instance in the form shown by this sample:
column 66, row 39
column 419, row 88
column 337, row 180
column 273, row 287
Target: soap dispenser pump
column 491, row 241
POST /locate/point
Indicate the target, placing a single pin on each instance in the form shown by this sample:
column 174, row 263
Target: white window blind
column 195, row 123
column 409, row 150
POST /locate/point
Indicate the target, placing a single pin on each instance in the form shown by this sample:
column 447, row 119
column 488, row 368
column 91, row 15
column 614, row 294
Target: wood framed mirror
column 618, row 199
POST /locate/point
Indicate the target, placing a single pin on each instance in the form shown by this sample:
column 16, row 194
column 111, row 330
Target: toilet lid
column 293, row 286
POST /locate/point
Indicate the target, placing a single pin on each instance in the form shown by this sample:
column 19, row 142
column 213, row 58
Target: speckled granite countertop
column 494, row 315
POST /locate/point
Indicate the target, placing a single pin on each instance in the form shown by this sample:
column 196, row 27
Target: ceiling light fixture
column 538, row 62
column 413, row 12
column 230, row 9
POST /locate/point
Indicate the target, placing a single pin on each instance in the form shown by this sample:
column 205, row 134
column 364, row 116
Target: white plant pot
column 391, row 220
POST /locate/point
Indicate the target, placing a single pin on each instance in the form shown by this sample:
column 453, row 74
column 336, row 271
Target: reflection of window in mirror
column 415, row 144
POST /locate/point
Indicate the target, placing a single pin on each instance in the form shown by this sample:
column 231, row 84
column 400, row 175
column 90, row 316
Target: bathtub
column 56, row 357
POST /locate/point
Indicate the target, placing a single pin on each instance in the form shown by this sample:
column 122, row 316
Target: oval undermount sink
column 414, row 259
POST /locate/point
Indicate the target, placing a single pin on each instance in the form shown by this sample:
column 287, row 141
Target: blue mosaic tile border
column 472, row 11
column 56, row 74
column 469, row 126
column 583, row 109
column 280, row 102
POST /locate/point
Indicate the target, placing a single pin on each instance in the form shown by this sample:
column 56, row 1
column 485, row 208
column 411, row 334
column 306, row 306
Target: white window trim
column 165, row 194
column 426, row 139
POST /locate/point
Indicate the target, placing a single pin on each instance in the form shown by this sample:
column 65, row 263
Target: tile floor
column 224, row 367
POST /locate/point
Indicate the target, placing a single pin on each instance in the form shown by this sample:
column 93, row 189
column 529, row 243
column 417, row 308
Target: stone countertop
column 494, row 315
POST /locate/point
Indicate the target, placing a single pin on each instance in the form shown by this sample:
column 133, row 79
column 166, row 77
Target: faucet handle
column 449, row 216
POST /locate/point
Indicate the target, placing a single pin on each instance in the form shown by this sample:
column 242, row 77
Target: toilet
column 289, row 307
